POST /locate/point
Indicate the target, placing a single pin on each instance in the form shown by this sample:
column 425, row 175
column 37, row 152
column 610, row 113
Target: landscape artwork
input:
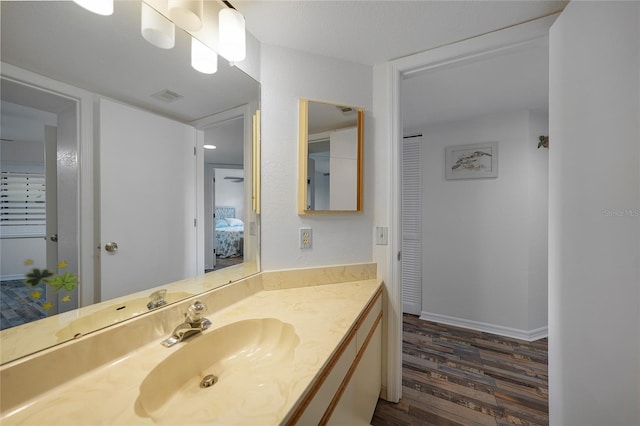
column 472, row 161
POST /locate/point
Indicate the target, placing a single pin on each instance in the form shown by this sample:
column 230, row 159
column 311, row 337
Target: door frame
column 493, row 43
column 84, row 173
column 245, row 112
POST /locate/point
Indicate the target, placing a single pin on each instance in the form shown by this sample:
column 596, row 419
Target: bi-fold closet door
column 411, row 257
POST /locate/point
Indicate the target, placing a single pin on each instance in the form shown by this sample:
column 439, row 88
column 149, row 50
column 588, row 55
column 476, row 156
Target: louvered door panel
column 411, row 226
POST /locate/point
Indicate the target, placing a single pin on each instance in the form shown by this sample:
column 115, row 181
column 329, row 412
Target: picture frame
column 472, row 161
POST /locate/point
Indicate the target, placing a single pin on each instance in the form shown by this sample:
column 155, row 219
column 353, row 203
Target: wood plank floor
column 456, row 376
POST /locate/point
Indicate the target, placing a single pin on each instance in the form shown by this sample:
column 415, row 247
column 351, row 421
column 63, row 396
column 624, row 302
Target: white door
column 147, row 200
column 594, row 228
column 411, row 225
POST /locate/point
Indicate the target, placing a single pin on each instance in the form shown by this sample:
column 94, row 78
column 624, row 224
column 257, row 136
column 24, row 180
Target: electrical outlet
column 305, row 238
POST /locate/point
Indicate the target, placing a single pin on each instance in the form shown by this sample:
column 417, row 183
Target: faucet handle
column 196, row 311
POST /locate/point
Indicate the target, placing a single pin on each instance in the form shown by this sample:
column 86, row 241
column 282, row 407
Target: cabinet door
column 358, row 402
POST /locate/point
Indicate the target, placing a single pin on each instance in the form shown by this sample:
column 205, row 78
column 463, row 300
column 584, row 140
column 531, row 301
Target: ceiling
column 515, row 81
column 44, row 37
column 370, row 32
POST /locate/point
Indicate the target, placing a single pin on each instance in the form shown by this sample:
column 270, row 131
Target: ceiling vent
column 166, row 95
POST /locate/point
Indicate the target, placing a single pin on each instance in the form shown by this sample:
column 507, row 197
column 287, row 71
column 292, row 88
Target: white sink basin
column 248, row 359
column 112, row 314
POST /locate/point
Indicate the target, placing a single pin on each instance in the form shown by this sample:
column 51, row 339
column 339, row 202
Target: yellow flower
column 36, row 294
column 28, row 262
column 66, row 298
column 62, row 264
column 46, row 306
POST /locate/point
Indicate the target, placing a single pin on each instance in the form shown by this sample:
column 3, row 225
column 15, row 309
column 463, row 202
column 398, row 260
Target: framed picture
column 474, row 161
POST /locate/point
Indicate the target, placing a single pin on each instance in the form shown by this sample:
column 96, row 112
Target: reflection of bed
column 229, row 233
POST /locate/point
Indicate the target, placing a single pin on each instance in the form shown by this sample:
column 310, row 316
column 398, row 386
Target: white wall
column 229, row 193
column 538, row 222
column 478, row 234
column 594, row 220
column 343, row 164
column 286, row 76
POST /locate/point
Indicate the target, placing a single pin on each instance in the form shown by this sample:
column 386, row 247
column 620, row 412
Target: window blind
column 22, row 204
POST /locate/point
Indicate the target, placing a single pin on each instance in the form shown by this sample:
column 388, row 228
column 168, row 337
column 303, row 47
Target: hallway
column 455, row 376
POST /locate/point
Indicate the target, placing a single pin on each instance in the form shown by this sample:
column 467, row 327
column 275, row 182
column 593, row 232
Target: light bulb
column 101, row 7
column 203, row 59
column 232, row 35
column 186, row 14
column 155, row 28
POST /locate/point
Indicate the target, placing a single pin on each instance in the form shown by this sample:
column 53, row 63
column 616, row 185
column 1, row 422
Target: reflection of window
column 22, row 203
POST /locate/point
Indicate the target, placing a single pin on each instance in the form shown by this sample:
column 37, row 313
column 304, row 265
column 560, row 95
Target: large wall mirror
column 80, row 92
column 331, row 163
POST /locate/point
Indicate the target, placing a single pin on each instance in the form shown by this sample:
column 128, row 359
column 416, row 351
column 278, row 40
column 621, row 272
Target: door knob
column 54, row 238
column 111, row 247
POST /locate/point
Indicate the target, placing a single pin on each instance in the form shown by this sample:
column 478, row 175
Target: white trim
column 514, row 333
column 12, row 277
column 471, row 49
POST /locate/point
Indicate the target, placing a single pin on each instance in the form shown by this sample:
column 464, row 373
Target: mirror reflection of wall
column 332, row 141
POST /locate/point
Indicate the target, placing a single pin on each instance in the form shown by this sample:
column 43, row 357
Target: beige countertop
column 322, row 315
column 34, row 336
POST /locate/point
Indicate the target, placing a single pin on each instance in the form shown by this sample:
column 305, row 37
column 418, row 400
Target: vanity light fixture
column 187, row 14
column 209, row 147
column 214, row 29
column 155, row 28
column 232, row 36
column 203, row 59
column 101, row 7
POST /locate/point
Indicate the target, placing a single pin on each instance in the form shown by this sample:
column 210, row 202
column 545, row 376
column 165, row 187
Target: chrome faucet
column 157, row 299
column 194, row 324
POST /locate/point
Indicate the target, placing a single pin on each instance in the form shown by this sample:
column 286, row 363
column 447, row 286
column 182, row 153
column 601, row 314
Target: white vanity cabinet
column 347, row 389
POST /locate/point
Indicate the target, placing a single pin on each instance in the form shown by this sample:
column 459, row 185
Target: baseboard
column 12, row 277
column 500, row 330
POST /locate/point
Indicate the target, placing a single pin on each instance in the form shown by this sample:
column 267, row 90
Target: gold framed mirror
column 330, row 163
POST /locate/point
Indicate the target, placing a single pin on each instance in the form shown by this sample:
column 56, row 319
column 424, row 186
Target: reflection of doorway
column 224, row 178
column 36, row 126
column 229, row 217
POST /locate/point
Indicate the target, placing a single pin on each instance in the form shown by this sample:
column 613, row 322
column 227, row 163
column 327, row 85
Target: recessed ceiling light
column 209, row 147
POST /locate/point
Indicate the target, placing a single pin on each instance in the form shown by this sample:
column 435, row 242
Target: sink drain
column 208, row 381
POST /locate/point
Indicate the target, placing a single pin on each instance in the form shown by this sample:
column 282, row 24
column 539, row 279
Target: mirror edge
column 360, row 185
column 303, row 153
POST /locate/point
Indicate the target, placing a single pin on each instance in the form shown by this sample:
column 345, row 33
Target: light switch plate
column 305, row 238
column 382, row 233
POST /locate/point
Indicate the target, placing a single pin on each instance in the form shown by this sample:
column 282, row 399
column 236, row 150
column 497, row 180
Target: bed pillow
column 232, row 221
column 221, row 223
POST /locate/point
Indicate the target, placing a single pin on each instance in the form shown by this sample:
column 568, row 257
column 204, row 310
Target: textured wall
column 286, row 76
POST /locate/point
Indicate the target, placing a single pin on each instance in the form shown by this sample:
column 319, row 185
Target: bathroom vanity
column 284, row 347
